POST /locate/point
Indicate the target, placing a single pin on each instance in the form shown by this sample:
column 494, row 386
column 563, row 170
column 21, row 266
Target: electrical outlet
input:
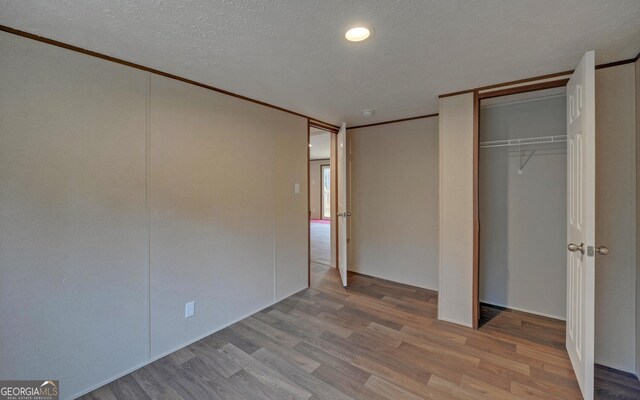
column 189, row 309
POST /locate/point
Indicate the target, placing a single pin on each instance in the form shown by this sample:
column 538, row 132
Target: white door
column 342, row 212
column 581, row 173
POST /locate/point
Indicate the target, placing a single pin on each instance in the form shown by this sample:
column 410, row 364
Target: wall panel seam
column 148, row 211
column 275, row 206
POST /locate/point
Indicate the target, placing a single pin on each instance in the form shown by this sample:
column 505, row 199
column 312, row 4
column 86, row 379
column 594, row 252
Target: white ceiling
column 320, row 142
column 293, row 54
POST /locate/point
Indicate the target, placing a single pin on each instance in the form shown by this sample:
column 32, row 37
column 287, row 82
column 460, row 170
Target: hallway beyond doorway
column 320, row 231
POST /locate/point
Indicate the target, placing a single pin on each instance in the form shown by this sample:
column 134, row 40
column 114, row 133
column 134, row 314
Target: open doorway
column 522, row 195
column 320, row 185
column 535, row 186
column 323, row 179
column 522, row 206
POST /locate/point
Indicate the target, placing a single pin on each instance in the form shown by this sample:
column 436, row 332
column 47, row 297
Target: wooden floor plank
column 127, row 388
column 266, row 375
column 315, row 386
column 320, row 237
column 376, row 340
column 389, row 390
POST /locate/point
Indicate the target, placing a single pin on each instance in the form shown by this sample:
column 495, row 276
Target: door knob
column 602, row 250
column 575, row 247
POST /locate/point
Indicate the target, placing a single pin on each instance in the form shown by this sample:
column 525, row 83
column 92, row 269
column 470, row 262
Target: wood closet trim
column 538, row 78
column 77, row 49
column 479, row 95
column 475, row 297
column 510, row 83
column 485, row 91
column 314, row 123
column 523, row 89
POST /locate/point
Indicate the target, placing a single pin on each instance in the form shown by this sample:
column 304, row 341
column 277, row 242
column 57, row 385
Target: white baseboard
column 128, row 371
column 491, row 303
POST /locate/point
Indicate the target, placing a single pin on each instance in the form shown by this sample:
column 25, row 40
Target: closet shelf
column 523, row 141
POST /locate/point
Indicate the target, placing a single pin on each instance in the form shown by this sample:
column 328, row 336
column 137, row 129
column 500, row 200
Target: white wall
column 394, row 202
column 125, row 195
column 615, row 217
column 523, row 216
column 456, row 209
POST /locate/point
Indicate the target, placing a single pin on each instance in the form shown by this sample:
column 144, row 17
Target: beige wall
column 315, row 184
column 292, row 221
column 73, row 223
column 217, row 185
column 615, row 217
column 125, row 195
column 456, row 209
column 394, row 202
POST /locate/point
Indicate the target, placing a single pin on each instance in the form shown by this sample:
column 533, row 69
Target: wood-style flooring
column 610, row 384
column 320, row 235
column 375, row 340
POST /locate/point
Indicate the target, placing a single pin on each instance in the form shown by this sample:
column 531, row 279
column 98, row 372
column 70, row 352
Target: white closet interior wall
column 523, row 204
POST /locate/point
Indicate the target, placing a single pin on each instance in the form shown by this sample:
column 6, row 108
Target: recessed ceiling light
column 367, row 113
column 357, row 34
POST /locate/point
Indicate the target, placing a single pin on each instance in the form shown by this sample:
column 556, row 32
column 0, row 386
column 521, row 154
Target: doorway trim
column 548, row 82
column 331, row 129
column 322, row 168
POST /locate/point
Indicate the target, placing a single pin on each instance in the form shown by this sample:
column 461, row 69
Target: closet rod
column 523, row 141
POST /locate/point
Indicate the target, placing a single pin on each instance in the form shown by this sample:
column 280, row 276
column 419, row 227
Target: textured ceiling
column 292, row 53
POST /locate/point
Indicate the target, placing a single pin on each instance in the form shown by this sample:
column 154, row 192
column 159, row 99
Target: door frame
column 322, row 166
column 317, row 125
column 526, row 86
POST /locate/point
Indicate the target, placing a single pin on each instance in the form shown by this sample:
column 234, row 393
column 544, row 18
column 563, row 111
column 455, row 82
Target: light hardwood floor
column 320, row 235
column 375, row 340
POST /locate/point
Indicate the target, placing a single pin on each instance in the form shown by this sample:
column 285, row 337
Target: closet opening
column 522, row 206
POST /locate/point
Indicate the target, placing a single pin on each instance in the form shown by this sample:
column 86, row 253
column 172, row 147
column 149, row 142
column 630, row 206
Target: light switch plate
column 296, row 188
column 189, row 309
